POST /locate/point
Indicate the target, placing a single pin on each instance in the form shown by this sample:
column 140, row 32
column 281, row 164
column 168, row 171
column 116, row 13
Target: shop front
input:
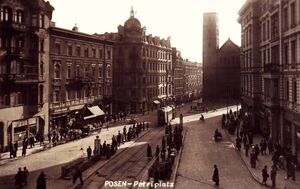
column 19, row 129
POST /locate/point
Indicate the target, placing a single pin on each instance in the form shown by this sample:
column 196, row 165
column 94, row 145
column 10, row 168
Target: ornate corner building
column 270, row 68
column 221, row 65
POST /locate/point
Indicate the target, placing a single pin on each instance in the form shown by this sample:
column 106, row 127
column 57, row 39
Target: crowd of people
column 170, row 145
column 238, row 123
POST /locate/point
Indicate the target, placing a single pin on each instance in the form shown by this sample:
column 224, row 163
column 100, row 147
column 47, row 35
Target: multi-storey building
column 270, row 68
column 24, row 54
column 80, row 69
column 142, row 68
column 221, row 66
column 178, row 76
column 192, row 80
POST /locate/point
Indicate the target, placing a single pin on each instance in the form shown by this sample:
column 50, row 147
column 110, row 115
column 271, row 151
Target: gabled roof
column 229, row 46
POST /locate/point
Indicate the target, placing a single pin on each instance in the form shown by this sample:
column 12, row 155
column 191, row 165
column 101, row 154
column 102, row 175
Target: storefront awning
column 96, row 111
column 156, row 102
column 40, row 114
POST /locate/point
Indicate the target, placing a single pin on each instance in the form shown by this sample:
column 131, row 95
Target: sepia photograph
column 149, row 94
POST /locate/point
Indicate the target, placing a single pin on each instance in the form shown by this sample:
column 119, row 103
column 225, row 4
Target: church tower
column 210, row 56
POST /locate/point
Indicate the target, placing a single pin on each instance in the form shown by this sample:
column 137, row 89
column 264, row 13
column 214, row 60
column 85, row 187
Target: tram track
column 128, row 164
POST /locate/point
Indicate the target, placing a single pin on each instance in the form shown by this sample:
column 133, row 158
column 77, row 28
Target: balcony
column 272, row 68
column 17, row 52
column 19, row 78
column 56, row 81
column 291, row 67
column 13, row 26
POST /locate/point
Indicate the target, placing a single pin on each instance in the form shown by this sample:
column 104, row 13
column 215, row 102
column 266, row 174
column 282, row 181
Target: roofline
column 246, row 5
column 81, row 34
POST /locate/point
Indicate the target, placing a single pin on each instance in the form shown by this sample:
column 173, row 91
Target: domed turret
column 132, row 23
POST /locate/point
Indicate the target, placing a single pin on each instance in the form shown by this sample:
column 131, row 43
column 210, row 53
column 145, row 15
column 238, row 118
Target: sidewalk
column 263, row 160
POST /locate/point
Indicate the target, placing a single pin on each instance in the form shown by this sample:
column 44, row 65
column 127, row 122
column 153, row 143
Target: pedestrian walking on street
column 246, row 146
column 253, row 159
column 25, row 175
column 77, row 174
column 89, row 152
column 24, row 148
column 273, row 176
column 149, row 152
column 215, row 176
column 41, row 181
column 15, row 149
column 265, row 175
column 18, row 178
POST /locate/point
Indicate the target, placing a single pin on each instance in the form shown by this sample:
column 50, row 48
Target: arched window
column 19, row 16
column 7, row 14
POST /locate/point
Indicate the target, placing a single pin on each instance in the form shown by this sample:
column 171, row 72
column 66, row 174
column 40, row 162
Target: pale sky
column 180, row 19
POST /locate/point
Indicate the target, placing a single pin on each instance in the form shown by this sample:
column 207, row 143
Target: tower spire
column 131, row 12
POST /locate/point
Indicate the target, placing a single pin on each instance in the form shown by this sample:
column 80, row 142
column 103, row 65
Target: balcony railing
column 291, row 67
column 15, row 51
column 13, row 25
column 18, row 78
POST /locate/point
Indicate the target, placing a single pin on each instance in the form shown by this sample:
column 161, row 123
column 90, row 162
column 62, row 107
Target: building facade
column 80, row 69
column 24, row 53
column 270, row 68
column 221, row 65
column 192, row 80
column 142, row 69
column 178, row 76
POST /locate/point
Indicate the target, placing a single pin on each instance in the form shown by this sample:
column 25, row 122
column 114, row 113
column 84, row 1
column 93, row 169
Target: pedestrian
column 215, row 176
column 147, row 125
column 25, row 175
column 41, row 181
column 31, row 140
column 15, row 149
column 11, row 150
column 89, row 152
column 119, row 138
column 77, row 174
column 24, row 148
column 256, row 151
column 273, row 176
column 270, row 146
column 157, row 151
column 149, row 151
column 265, row 175
column 253, row 159
column 18, row 178
column 246, row 146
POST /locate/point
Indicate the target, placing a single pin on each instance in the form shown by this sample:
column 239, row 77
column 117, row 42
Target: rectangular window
column 287, row 90
column 70, row 49
column 293, row 15
column 94, row 53
column 67, row 95
column 55, row 96
column 293, row 53
column 294, row 91
column 78, row 51
column 57, row 48
column 69, row 72
column 108, row 55
column 100, row 71
column 42, row 45
column 77, row 71
column 100, row 53
column 285, row 19
column 86, row 52
column 285, row 54
column 93, row 70
column 42, row 21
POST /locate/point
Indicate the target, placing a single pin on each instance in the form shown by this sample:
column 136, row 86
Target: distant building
column 142, row 69
column 192, row 80
column 221, row 66
column 187, row 78
column 24, row 57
